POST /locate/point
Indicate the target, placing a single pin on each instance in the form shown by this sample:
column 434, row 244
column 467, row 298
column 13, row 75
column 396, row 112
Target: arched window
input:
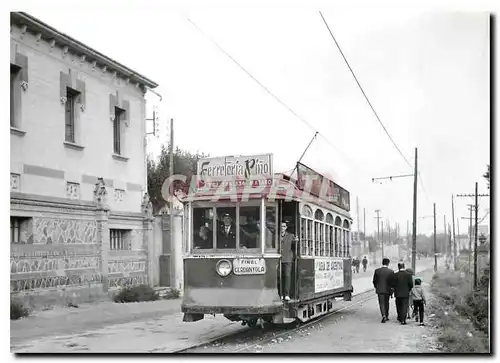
column 307, row 211
column 319, row 215
column 329, row 218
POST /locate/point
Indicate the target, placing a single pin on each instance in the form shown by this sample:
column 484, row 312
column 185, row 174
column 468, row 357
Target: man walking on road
column 365, row 262
column 402, row 282
column 381, row 281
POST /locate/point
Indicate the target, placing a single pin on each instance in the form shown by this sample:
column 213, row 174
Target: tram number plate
column 249, row 266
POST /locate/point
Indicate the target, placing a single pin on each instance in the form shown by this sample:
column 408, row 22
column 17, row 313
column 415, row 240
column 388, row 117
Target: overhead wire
column 239, row 65
column 275, row 96
column 370, row 104
column 363, row 92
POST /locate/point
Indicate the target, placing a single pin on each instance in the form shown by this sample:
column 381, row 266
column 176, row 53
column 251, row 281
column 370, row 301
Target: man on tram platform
column 287, row 247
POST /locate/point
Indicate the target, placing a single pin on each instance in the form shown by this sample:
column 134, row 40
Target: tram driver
column 226, row 236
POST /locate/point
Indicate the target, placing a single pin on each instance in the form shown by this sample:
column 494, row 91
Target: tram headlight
column 223, row 268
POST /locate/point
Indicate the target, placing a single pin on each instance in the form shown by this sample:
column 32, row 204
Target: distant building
column 76, row 116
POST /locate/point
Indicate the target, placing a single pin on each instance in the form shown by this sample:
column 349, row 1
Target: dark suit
column 226, row 240
column 382, row 283
column 287, row 245
column 402, row 282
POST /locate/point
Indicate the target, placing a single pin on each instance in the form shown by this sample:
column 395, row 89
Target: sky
column 426, row 73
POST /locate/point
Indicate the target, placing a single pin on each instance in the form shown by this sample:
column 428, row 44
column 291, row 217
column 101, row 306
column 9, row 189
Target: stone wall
column 64, row 252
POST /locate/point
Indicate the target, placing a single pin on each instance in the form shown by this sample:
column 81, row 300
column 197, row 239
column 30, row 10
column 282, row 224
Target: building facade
column 80, row 214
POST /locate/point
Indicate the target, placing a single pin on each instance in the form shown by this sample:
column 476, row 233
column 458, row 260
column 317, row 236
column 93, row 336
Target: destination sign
column 249, row 266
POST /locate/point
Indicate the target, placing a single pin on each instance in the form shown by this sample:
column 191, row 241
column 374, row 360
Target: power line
column 275, row 96
column 364, row 94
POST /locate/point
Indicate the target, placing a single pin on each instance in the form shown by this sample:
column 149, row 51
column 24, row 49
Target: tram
column 232, row 248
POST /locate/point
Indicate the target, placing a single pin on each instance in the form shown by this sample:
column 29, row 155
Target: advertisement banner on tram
column 313, row 182
column 234, row 172
column 328, row 274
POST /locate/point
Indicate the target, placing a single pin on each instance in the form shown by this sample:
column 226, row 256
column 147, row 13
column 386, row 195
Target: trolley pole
column 435, row 245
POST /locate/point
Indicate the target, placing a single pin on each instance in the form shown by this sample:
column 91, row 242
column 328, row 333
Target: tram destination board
column 333, row 193
column 249, row 266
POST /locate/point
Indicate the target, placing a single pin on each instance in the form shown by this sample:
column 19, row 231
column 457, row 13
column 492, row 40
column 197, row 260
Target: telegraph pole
column 446, row 244
column 475, row 195
column 470, row 236
column 458, row 234
column 364, row 226
column 357, row 215
column 475, row 245
column 435, row 245
column 382, row 241
column 414, row 242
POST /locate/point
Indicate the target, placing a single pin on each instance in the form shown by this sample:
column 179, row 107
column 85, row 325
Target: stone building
column 81, row 219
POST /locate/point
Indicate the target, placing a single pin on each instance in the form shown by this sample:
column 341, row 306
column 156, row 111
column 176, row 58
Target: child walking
column 418, row 298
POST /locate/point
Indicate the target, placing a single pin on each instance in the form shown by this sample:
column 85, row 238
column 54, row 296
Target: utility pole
column 470, row 235
column 378, row 231
column 171, row 173
column 414, row 242
column 470, row 206
column 435, row 245
column 364, row 226
column 458, row 234
column 454, row 238
column 475, row 245
column 446, row 244
column 382, row 241
column 475, row 195
column 357, row 215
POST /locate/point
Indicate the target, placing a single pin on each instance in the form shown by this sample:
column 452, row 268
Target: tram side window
column 250, row 227
column 338, row 243
column 226, row 228
column 303, row 237
column 270, row 228
column 202, row 228
column 310, row 245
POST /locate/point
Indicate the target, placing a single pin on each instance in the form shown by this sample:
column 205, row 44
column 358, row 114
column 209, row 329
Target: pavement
column 134, row 327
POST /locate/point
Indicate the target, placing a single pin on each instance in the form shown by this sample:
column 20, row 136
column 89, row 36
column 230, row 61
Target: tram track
column 275, row 332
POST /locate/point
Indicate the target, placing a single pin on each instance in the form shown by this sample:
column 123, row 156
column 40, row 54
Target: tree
column 487, row 176
column 185, row 163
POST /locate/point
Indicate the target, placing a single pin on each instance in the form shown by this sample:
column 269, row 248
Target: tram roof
column 283, row 188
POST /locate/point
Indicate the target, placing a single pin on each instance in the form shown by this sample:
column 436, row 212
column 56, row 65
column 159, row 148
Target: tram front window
column 202, row 228
column 270, row 228
column 249, row 227
column 226, row 232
